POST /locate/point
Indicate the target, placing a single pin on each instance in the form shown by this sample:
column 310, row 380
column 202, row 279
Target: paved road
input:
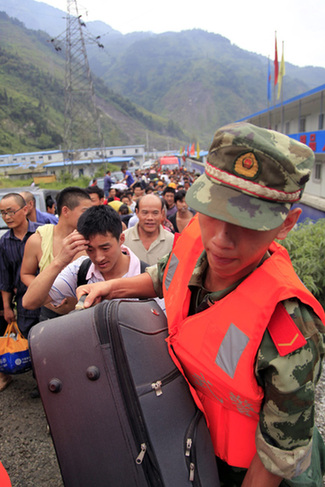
column 26, row 448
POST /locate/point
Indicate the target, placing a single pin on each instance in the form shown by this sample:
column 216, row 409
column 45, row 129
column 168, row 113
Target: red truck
column 169, row 163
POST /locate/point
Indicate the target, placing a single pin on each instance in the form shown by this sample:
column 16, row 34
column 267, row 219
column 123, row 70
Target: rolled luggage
column 119, row 411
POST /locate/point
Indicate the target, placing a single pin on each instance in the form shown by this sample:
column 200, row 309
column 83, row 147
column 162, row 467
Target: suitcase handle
column 80, row 304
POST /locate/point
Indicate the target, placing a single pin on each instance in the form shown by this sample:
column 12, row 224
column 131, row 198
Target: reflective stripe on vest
column 230, row 350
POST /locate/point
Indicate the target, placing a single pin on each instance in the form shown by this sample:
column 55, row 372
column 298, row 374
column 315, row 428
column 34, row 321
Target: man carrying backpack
column 99, row 229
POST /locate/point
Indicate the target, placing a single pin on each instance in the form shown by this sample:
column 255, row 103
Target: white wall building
column 302, row 118
column 83, row 161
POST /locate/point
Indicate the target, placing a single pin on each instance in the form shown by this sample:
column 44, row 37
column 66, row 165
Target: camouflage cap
column 252, row 177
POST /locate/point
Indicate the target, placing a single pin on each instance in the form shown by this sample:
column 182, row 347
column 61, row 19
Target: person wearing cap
column 243, row 328
column 160, row 187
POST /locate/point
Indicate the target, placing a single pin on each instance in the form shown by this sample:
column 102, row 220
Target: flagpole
column 269, row 92
column 280, row 86
column 276, row 72
column 282, row 74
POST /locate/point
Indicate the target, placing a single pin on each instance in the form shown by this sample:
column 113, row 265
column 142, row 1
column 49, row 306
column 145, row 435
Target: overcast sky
column 249, row 24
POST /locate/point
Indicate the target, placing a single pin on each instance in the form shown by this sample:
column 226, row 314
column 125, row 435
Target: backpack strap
column 82, row 272
column 85, row 264
column 143, row 266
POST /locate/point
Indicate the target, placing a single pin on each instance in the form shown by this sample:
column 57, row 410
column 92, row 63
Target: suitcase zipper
column 159, row 384
column 131, row 401
column 190, row 449
column 142, row 453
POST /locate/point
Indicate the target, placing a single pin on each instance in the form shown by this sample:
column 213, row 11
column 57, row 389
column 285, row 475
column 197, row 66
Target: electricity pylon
column 81, row 114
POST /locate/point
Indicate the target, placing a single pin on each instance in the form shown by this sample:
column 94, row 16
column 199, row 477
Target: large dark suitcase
column 119, row 411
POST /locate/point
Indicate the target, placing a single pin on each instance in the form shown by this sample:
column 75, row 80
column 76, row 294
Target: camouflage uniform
column 252, row 177
column 286, row 425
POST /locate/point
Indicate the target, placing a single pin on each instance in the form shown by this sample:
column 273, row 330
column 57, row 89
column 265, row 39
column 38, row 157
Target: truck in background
column 168, row 163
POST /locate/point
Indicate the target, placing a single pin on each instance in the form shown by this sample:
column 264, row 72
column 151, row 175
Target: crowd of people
column 40, row 246
column 243, row 329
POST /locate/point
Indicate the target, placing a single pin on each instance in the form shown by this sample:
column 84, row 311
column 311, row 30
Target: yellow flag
column 198, row 150
column 282, row 72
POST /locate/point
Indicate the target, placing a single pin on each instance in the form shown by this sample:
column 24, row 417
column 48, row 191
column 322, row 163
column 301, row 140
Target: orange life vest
column 216, row 348
column 4, row 477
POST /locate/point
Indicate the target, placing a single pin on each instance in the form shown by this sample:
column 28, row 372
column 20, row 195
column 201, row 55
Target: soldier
column 243, row 328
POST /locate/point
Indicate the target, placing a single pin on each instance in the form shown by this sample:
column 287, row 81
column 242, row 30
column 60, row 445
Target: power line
column 81, row 114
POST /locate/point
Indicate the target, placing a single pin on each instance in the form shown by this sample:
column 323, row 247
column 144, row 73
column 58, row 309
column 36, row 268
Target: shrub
column 306, row 247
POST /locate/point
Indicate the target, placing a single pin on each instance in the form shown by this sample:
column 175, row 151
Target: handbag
column 14, row 352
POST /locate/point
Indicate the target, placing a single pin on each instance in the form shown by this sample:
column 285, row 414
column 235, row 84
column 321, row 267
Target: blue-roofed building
column 81, row 161
column 302, row 118
column 86, row 167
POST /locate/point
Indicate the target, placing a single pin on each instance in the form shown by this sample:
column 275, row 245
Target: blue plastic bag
column 14, row 353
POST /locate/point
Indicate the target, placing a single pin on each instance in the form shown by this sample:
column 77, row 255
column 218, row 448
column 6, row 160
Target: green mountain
column 27, row 91
column 199, row 79
column 32, row 100
column 170, row 89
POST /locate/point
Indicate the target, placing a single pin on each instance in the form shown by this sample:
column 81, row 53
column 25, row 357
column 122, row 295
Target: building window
column 123, row 151
column 276, row 127
column 287, row 128
column 136, row 151
column 111, row 152
column 317, row 171
column 321, row 121
column 97, row 154
column 302, row 124
column 50, row 158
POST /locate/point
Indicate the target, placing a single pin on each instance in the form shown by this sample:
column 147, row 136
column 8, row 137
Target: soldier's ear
column 289, row 223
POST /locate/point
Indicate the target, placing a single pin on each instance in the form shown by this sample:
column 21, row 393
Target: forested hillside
column 32, row 100
column 198, row 79
column 163, row 90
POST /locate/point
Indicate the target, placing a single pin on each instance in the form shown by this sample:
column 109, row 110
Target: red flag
column 276, row 64
column 193, row 149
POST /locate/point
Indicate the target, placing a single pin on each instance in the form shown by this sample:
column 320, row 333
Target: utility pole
column 81, row 114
